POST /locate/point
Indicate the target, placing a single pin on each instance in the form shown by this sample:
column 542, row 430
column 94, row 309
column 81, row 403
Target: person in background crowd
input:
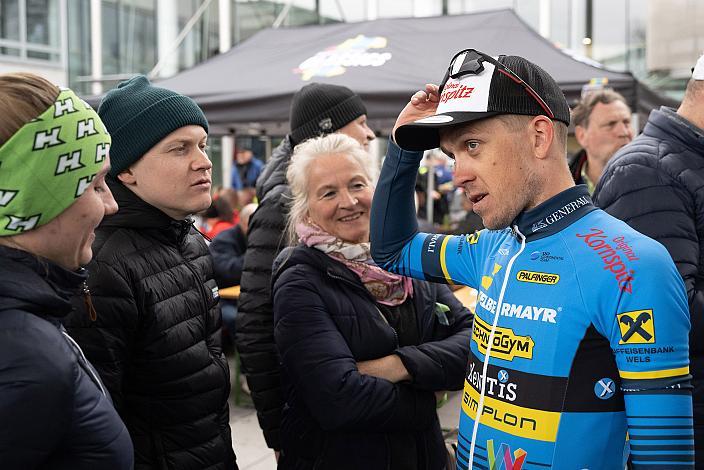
column 471, row 221
column 435, row 168
column 245, row 173
column 316, row 109
column 232, row 198
column 227, row 250
column 246, row 170
column 654, row 184
column 156, row 339
column 602, row 125
column 584, row 316
column 55, row 412
column 362, row 350
column 218, row 216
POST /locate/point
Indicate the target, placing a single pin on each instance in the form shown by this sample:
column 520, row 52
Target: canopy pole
column 179, row 39
column 282, row 16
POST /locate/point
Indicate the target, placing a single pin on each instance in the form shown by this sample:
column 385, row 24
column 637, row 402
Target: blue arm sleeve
column 396, row 244
column 393, row 218
column 235, row 181
column 649, row 335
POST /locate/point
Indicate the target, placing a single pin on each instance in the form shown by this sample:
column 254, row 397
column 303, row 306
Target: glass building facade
column 90, row 45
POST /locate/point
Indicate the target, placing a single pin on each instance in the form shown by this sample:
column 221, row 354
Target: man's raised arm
column 393, row 217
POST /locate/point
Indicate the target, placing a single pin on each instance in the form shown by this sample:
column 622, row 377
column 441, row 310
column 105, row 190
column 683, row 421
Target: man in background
column 602, row 125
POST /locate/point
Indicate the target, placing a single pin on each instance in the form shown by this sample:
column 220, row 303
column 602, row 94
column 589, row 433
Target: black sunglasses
column 472, row 65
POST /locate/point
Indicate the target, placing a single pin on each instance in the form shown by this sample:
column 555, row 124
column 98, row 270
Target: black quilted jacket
column 255, row 317
column 656, row 185
column 156, row 341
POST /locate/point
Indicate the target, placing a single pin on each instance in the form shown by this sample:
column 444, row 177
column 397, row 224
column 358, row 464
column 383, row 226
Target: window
column 30, row 29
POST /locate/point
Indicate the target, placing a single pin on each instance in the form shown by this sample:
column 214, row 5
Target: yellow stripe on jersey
column 443, row 264
column 654, row 374
column 512, row 419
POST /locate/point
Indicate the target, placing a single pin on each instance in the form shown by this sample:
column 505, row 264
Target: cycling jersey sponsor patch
column 537, row 277
column 504, row 458
column 597, row 241
column 605, row 388
column 488, row 280
column 506, row 344
column 529, row 312
column 509, row 418
column 637, row 327
column 473, row 238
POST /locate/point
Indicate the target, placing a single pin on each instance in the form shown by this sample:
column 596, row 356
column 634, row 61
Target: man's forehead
column 615, row 108
column 450, row 134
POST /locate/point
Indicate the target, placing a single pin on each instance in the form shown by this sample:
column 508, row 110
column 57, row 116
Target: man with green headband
column 156, row 339
column 54, row 410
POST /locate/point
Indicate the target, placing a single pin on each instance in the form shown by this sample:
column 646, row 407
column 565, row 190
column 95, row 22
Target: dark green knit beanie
column 138, row 115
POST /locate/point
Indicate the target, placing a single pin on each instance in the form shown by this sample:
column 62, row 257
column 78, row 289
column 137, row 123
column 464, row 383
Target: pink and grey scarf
column 387, row 288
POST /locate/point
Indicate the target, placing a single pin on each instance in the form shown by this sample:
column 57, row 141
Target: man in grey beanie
column 155, row 337
column 316, row 109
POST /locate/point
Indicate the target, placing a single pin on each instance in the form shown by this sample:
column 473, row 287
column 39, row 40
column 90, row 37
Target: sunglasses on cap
column 472, row 64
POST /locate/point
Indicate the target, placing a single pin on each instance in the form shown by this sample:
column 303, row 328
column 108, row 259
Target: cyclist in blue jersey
column 579, row 349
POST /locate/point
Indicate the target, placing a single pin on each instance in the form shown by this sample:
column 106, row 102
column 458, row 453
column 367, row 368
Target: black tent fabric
column 385, row 61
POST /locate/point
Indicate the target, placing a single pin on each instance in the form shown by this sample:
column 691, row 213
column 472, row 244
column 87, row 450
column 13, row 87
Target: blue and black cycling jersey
column 585, row 322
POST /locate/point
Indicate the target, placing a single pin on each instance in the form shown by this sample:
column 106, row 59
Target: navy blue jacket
column 325, row 321
column 253, row 170
column 656, row 185
column 227, row 250
column 54, row 411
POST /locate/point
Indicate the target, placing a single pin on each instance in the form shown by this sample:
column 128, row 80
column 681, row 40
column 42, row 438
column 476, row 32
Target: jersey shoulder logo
column 637, row 327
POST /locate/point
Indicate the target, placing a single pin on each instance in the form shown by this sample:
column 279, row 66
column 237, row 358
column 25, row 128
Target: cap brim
column 423, row 134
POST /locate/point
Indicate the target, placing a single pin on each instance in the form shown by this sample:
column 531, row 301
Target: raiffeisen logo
column 353, row 52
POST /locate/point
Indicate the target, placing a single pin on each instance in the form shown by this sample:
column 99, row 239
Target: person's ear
column 127, row 177
column 543, row 133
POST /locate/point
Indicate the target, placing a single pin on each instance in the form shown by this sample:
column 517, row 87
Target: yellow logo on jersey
column 488, row 280
column 473, row 238
column 637, row 327
column 506, row 344
column 510, row 418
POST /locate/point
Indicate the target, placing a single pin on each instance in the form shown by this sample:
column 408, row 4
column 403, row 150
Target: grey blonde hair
column 298, row 172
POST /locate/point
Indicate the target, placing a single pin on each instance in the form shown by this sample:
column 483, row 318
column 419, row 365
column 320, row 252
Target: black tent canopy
column 384, row 61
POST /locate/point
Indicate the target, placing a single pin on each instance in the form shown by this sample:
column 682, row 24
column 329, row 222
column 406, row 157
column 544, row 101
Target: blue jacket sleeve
column 235, row 180
column 324, row 372
column 396, row 244
column 228, row 258
column 393, row 218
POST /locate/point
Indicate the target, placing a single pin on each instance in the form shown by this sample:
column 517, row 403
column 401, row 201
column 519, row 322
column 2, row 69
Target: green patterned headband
column 49, row 163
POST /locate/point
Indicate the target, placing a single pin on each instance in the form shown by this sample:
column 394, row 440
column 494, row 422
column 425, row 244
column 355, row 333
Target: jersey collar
column 553, row 215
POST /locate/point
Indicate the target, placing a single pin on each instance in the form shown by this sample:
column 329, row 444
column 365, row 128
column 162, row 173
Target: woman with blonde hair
column 54, row 410
column 363, row 352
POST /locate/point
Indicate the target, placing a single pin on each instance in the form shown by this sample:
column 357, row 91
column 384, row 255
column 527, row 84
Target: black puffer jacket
column 656, row 185
column 255, row 317
column 156, row 341
column 54, row 411
column 336, row 418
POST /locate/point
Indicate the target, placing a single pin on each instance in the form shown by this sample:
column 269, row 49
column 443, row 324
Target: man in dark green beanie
column 156, row 339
